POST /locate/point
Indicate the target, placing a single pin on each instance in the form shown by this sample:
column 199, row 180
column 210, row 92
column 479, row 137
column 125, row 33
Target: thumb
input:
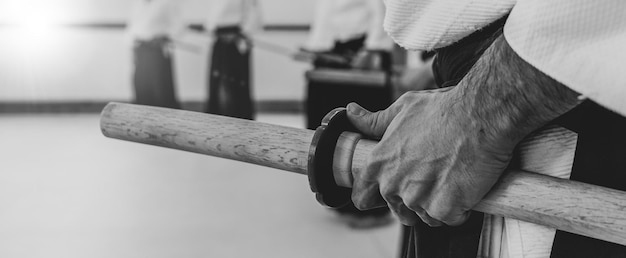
column 372, row 124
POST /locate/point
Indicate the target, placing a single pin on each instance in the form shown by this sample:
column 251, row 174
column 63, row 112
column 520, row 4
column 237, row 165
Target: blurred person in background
column 230, row 21
column 351, row 30
column 153, row 25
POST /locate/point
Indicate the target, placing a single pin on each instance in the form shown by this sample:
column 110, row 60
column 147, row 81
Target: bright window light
column 32, row 24
column 32, row 14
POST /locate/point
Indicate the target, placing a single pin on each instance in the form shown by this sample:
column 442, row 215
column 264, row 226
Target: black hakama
column 153, row 78
column 229, row 75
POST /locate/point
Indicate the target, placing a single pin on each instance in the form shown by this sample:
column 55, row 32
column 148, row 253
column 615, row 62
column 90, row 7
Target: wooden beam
column 575, row 207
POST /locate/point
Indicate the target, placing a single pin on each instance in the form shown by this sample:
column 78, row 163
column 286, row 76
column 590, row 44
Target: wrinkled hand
column 434, row 161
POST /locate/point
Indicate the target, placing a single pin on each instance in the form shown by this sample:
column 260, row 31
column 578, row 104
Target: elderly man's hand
column 441, row 151
column 434, row 160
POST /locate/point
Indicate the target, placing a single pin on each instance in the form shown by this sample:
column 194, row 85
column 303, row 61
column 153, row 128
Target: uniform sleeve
column 135, row 16
column 215, row 14
column 579, row 43
column 321, row 37
column 156, row 18
column 252, row 17
column 377, row 38
column 176, row 16
column 431, row 24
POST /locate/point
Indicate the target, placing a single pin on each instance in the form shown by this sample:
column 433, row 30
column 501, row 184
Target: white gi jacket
column 156, row 18
column 579, row 43
column 243, row 13
column 342, row 20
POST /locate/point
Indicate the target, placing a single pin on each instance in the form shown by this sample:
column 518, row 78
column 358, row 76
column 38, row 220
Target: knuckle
column 407, row 96
column 448, row 214
column 389, row 194
column 438, row 213
column 407, row 221
column 425, row 215
column 364, row 201
column 414, row 205
column 456, row 219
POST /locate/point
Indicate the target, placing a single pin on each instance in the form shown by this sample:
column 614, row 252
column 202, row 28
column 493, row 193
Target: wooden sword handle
column 580, row 208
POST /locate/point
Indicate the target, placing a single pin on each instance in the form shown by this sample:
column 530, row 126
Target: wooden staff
column 580, row 208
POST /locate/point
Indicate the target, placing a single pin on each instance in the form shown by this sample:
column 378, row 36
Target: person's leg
column 142, row 75
column 240, row 71
column 153, row 79
column 216, row 78
column 229, row 77
column 167, row 79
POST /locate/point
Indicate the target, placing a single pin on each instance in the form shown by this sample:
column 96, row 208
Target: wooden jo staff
column 580, row 208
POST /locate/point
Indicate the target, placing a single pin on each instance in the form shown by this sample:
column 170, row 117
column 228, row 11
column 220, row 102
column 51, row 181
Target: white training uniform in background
column 342, row 20
column 245, row 14
column 578, row 43
column 156, row 18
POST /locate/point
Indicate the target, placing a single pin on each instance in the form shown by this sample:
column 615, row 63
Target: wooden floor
column 66, row 191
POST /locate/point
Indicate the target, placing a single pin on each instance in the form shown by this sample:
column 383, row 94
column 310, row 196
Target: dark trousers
column 229, row 75
column 153, row 79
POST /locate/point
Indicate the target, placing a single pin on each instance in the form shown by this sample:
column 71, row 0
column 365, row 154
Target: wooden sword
column 579, row 208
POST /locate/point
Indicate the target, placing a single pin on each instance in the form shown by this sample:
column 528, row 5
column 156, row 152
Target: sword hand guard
column 330, row 163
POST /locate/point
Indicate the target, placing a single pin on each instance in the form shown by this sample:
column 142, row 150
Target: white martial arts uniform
column 343, row 20
column 579, row 43
column 156, row 18
column 245, row 14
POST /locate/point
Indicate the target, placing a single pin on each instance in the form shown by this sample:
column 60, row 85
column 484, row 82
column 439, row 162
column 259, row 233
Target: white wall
column 41, row 63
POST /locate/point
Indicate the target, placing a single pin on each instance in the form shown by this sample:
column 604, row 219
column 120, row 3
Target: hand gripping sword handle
column 580, row 208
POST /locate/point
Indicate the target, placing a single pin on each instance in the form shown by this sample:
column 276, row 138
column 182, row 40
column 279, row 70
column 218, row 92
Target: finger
column 445, row 208
column 405, row 215
column 366, row 190
column 456, row 219
column 414, row 205
column 373, row 124
column 365, row 195
column 427, row 218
